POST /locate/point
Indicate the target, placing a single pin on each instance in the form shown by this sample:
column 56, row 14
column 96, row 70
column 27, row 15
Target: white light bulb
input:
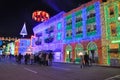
column 119, row 18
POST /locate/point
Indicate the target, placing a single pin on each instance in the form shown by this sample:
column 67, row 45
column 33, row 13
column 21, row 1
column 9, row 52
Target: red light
column 40, row 16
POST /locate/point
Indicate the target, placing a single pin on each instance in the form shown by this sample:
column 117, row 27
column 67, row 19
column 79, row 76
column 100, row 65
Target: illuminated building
column 23, row 46
column 82, row 32
column 111, row 32
column 7, row 45
column 92, row 28
column 49, row 36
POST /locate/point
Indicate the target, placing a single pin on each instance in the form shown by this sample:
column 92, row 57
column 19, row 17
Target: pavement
column 58, row 71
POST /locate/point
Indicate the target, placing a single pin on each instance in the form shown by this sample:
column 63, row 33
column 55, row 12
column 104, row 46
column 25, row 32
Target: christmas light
column 116, row 41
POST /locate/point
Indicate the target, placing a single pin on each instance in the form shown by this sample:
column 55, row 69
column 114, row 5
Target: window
column 91, row 14
column 91, row 27
column 111, row 11
column 113, row 29
column 38, row 41
column 49, row 30
column 59, row 26
column 78, row 18
column 79, row 30
column 68, row 33
column 69, row 22
column 59, row 36
column 38, row 34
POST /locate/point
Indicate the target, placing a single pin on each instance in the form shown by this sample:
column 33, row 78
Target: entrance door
column 114, row 54
column 78, row 50
column 68, row 56
column 94, row 56
column 92, row 52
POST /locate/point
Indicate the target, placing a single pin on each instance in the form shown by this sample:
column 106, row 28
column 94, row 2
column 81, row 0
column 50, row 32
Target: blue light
column 84, row 17
column 1, row 42
column 24, row 44
column 97, row 22
column 59, row 36
column 59, row 26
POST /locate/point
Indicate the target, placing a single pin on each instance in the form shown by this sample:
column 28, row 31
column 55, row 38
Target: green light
column 79, row 35
column 78, row 13
column 113, row 19
column 69, row 27
column 116, row 41
column 91, row 20
column 90, row 8
column 78, row 24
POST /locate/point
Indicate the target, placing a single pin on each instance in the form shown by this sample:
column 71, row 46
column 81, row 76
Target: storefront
column 92, row 52
column 68, row 53
column 78, row 49
column 114, row 54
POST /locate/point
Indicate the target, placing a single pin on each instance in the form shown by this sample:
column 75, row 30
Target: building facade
column 49, row 36
column 92, row 28
column 83, row 33
column 111, row 32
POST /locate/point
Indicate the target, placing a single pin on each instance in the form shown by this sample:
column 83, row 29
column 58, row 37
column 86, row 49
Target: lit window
column 113, row 29
column 111, row 11
column 59, row 26
column 59, row 36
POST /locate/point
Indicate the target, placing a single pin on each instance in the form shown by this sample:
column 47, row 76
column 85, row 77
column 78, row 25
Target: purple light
column 41, row 28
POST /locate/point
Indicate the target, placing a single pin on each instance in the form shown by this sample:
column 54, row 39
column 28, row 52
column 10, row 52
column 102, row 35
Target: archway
column 78, row 49
column 68, row 55
column 92, row 52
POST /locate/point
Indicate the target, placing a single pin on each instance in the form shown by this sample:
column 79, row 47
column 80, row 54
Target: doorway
column 78, row 50
column 93, row 52
column 68, row 55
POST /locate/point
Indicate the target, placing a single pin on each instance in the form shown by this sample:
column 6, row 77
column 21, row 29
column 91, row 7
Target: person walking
column 82, row 62
column 31, row 59
column 40, row 58
column 26, row 58
column 50, row 56
column 86, row 59
column 19, row 58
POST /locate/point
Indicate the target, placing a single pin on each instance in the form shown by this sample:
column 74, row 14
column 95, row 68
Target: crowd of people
column 44, row 58
column 41, row 58
column 85, row 60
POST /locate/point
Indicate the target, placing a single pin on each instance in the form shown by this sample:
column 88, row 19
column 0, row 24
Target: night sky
column 13, row 13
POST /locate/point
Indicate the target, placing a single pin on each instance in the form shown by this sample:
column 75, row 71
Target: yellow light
column 67, row 52
column 80, row 54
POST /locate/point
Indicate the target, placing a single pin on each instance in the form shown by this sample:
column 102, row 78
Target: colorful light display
column 80, row 26
column 40, row 16
column 111, row 13
column 24, row 30
column 92, row 28
column 75, row 30
column 53, row 28
column 24, row 44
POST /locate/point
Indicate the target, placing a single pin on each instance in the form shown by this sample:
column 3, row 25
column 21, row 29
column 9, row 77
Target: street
column 58, row 71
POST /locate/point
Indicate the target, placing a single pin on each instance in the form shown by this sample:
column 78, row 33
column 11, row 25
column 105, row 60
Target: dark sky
column 13, row 13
